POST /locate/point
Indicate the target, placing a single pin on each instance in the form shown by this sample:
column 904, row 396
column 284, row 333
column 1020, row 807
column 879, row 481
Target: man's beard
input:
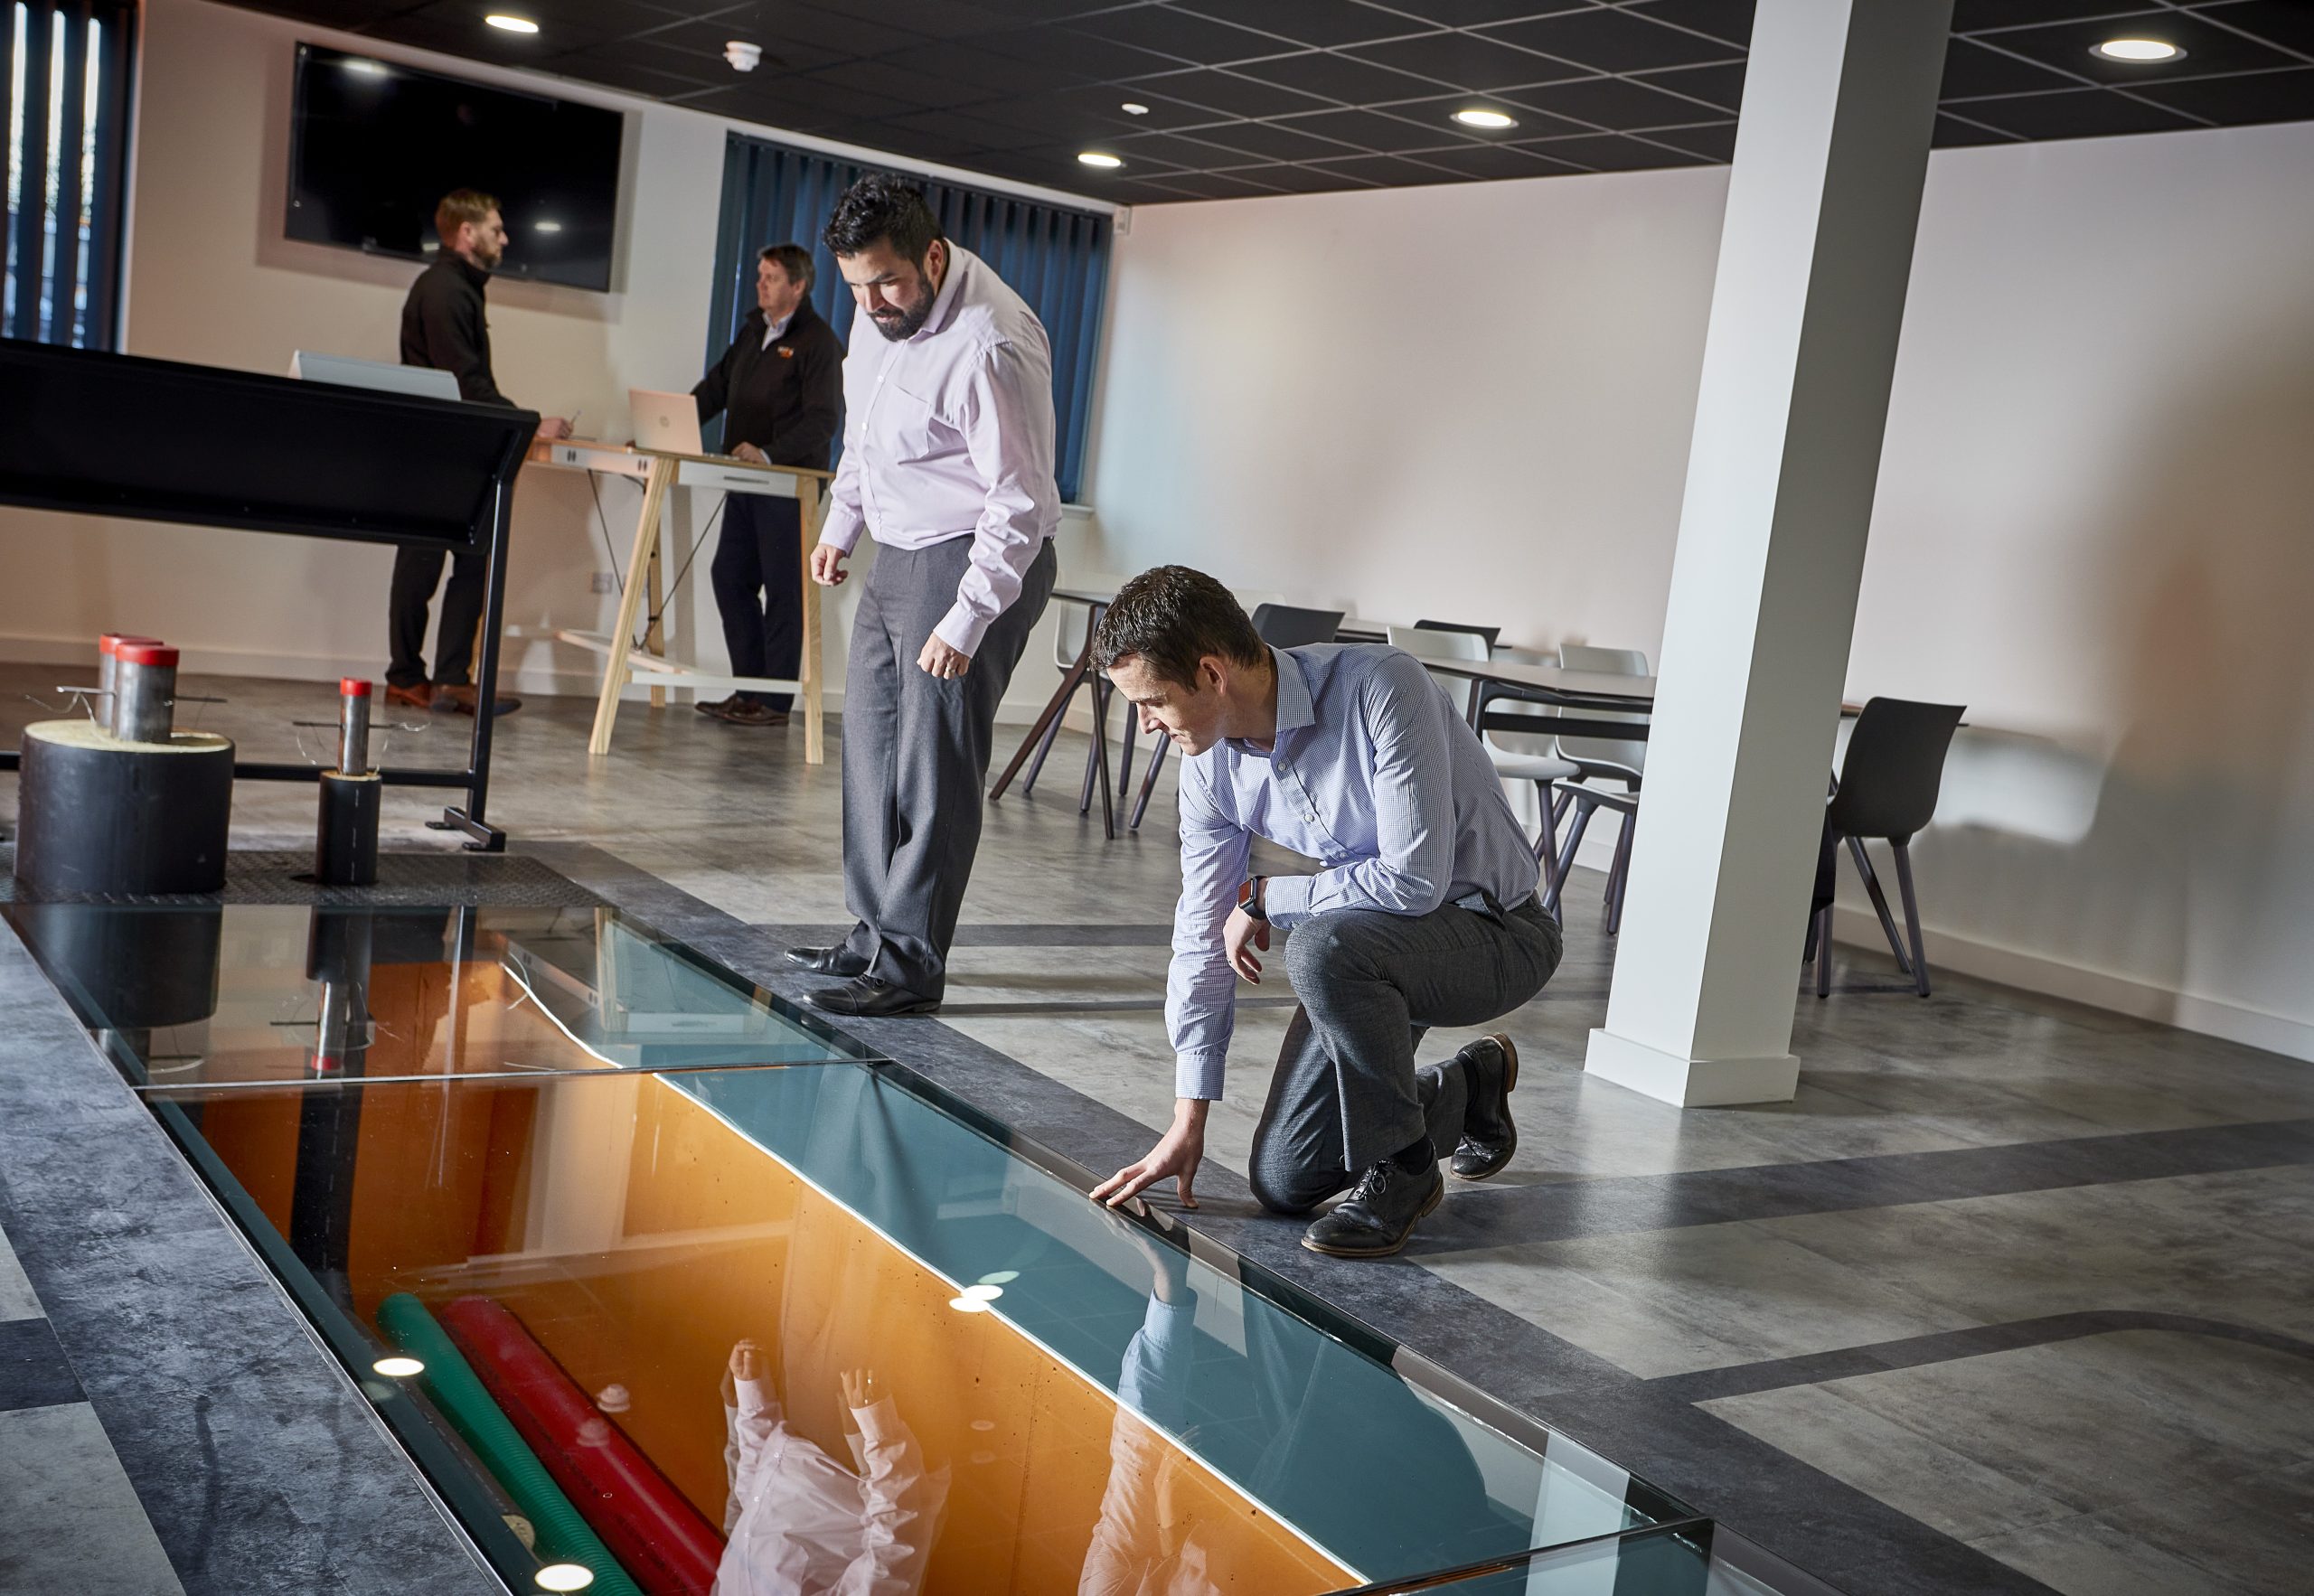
column 906, row 326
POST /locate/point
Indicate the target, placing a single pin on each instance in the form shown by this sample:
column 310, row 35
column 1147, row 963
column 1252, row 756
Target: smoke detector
column 743, row 56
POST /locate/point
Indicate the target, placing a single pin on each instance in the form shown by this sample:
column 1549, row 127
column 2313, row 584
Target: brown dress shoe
column 460, row 698
column 740, row 712
column 420, row 697
column 716, row 706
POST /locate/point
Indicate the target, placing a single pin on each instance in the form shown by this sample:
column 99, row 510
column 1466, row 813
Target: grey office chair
column 1887, row 789
column 1604, row 763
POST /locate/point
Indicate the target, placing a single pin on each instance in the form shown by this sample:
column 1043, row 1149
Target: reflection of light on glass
column 968, row 1305
column 398, row 1368
column 361, row 66
column 1003, row 1277
column 523, row 24
column 984, row 1293
column 564, row 1576
column 546, row 227
column 983, row 1457
column 983, row 1423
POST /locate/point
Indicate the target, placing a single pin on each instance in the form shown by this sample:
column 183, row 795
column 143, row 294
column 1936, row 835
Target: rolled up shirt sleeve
column 1200, row 989
column 1007, row 420
column 1414, row 810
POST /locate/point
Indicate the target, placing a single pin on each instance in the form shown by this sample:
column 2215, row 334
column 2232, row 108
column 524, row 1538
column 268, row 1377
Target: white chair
column 1603, row 761
column 1543, row 769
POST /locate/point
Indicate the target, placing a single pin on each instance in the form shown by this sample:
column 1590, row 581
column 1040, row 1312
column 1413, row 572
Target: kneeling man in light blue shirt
column 1424, row 911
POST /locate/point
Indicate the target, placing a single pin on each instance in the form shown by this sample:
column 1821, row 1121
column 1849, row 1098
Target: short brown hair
column 458, row 209
column 794, row 260
column 1173, row 617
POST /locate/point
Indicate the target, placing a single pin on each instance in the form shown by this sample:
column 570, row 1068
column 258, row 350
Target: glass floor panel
column 247, row 994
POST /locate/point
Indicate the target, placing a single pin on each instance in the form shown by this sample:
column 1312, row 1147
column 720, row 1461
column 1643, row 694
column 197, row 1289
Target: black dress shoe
column 1380, row 1213
column 838, row 960
column 871, row 999
column 1488, row 1138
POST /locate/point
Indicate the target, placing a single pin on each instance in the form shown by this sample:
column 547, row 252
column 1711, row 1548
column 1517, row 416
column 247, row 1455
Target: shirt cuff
column 961, row 630
column 753, row 1398
column 1285, row 900
column 840, row 529
column 879, row 1422
column 1198, row 1072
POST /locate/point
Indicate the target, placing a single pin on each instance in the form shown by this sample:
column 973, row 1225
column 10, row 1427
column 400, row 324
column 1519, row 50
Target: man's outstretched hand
column 1176, row 1156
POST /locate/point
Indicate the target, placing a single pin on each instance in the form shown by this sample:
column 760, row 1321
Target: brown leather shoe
column 740, row 712
column 460, row 699
column 420, row 697
column 716, row 706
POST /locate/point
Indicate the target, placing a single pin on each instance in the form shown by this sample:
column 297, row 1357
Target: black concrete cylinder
column 345, row 842
column 129, row 969
column 97, row 815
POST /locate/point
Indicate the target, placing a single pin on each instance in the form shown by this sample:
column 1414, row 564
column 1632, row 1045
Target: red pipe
column 649, row 1525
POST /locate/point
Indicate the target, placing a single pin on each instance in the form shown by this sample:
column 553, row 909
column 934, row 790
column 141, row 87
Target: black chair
column 1281, row 625
column 1491, row 633
column 1887, row 789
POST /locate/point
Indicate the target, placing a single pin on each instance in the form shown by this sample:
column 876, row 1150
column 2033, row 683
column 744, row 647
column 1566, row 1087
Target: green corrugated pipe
column 563, row 1535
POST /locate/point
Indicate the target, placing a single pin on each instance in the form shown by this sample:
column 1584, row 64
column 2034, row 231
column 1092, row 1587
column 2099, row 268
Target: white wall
column 211, row 280
column 1472, row 402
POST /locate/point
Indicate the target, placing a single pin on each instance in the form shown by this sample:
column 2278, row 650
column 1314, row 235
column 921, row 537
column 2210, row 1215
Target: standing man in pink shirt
column 948, row 465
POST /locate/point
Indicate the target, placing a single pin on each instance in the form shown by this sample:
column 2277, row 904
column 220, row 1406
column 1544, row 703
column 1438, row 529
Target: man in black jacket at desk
column 779, row 387
column 442, row 326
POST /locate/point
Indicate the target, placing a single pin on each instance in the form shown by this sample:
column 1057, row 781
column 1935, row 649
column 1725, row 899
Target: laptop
column 668, row 422
column 345, row 372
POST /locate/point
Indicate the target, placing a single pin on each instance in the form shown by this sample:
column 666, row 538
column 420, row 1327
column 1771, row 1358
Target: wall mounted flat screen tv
column 375, row 146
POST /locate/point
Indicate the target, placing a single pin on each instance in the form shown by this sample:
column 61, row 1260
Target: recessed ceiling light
column 361, row 66
column 1494, row 120
column 564, row 1576
column 513, row 25
column 1133, row 108
column 398, row 1368
column 1095, row 158
column 968, row 1305
column 546, row 227
column 2138, row 49
column 983, row 1293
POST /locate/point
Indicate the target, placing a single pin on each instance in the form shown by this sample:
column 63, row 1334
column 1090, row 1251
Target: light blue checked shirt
column 1374, row 777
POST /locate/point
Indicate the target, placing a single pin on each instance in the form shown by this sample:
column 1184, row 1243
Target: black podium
column 115, row 435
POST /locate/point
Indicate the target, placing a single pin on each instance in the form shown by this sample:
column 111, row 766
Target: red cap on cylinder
column 352, row 687
column 110, row 643
column 144, row 651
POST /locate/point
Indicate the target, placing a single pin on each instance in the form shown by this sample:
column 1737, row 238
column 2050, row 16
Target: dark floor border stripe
column 1952, row 1346
column 34, row 1373
column 1567, row 1210
column 996, row 934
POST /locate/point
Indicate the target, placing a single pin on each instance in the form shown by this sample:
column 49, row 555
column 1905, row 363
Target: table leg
column 630, row 601
column 809, row 673
column 653, row 638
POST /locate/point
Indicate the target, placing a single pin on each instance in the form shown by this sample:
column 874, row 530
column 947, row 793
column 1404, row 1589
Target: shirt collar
column 772, row 330
column 467, row 268
column 944, row 304
column 1295, row 708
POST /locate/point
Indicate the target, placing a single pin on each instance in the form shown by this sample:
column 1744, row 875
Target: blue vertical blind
column 1055, row 257
column 63, row 117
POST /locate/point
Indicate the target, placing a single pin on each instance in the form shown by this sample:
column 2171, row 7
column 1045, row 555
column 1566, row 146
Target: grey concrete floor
column 2014, row 1295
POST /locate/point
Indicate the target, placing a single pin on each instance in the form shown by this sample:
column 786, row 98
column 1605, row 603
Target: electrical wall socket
column 602, row 582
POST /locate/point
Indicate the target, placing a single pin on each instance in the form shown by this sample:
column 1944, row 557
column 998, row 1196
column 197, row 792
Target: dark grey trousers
column 915, row 757
column 1347, row 1094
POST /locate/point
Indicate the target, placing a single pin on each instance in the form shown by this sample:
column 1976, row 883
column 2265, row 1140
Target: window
column 1055, row 257
column 63, row 115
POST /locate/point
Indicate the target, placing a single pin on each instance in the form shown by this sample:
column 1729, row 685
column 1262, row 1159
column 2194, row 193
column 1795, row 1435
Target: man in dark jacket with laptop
column 780, row 389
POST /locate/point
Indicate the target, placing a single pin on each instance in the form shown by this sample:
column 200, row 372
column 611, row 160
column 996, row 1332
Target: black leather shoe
column 1488, row 1138
column 871, row 999
column 838, row 960
column 1380, row 1213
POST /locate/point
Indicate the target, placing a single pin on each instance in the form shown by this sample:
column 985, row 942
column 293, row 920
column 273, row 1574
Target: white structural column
column 1831, row 152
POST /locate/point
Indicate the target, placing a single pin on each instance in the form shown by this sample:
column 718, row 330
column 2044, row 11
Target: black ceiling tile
column 1498, row 160
column 1299, row 180
column 2289, row 23
column 1272, row 141
column 2078, row 113
column 627, row 72
column 966, row 131
column 803, row 94
column 938, row 18
column 1719, row 86
column 1388, row 170
column 1341, row 77
column 706, row 40
column 351, row 16
column 998, row 74
column 1466, row 61
column 910, row 89
column 1223, row 92
column 1321, row 22
column 1172, row 149
column 1218, row 185
column 756, row 103
column 1178, row 34
column 1614, row 103
column 461, row 21
column 1715, row 143
column 1043, row 11
column 2286, row 96
column 1161, row 113
column 825, row 30
column 1970, row 16
column 1078, row 55
column 1612, row 41
column 1369, row 130
column 1727, row 20
column 1954, row 133
column 1607, row 152
column 1475, row 13
column 2208, row 48
column 1531, row 123
column 1971, row 70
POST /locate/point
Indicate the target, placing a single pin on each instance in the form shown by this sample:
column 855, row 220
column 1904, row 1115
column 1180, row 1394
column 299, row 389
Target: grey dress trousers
column 915, row 757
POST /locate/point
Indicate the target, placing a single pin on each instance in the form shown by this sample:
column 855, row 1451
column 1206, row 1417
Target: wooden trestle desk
column 658, row 472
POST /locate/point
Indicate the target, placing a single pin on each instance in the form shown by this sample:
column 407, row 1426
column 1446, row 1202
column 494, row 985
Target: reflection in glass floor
column 802, row 1327
column 245, row 994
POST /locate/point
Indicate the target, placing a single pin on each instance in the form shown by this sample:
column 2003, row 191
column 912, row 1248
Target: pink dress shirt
column 949, row 434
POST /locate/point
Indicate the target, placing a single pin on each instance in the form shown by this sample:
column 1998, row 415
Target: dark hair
column 1173, row 617
column 794, row 260
column 460, row 207
column 880, row 206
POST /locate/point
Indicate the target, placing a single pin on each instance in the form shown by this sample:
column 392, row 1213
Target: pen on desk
column 573, row 422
